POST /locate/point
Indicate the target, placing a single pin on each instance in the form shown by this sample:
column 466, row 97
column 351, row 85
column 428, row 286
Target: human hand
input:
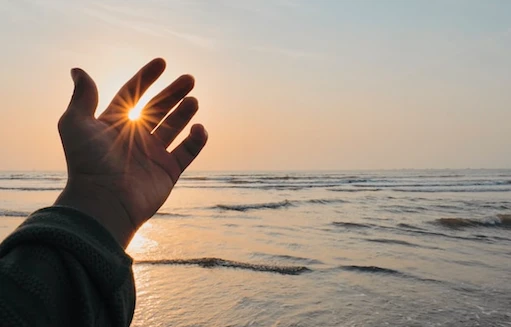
column 119, row 171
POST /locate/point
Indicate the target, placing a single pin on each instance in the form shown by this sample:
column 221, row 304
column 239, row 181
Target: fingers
column 160, row 105
column 176, row 121
column 85, row 96
column 183, row 155
column 128, row 96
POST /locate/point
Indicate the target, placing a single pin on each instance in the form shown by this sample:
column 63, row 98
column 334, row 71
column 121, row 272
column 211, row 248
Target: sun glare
column 134, row 114
column 139, row 243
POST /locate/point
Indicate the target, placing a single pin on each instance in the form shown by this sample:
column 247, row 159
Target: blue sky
column 281, row 84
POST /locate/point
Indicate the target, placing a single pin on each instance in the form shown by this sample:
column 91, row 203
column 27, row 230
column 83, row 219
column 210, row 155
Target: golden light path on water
column 404, row 248
column 140, row 243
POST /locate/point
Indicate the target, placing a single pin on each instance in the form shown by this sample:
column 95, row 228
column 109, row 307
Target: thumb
column 85, row 96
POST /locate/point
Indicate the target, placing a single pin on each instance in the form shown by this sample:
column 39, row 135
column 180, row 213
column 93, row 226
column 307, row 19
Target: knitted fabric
column 63, row 268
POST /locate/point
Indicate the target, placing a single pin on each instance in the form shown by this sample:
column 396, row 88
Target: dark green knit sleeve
column 63, row 268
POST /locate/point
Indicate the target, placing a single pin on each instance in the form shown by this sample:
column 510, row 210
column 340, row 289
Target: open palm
column 120, row 171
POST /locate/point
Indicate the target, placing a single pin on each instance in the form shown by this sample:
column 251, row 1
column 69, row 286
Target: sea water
column 345, row 248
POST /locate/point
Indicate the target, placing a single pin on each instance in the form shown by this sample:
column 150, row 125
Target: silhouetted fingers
column 128, row 96
column 183, row 155
column 160, row 105
column 176, row 121
column 85, row 96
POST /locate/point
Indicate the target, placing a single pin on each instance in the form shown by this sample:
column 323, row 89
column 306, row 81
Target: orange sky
column 282, row 85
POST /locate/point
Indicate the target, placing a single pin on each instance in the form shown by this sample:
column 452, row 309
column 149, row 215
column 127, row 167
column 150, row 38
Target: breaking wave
column 325, row 201
column 276, row 205
column 216, row 262
column 12, row 213
column 286, row 257
column 246, row 207
column 454, row 223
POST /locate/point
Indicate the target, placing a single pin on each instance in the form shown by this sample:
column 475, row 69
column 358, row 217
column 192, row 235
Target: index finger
column 117, row 112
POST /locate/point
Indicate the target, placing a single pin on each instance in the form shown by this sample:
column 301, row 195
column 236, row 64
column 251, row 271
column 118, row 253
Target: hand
column 119, row 170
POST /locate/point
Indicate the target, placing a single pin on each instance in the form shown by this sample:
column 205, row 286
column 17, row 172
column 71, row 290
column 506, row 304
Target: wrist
column 101, row 204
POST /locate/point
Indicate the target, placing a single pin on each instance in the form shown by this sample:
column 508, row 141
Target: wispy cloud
column 131, row 19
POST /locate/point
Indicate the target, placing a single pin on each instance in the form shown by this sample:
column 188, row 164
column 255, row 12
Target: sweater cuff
column 68, row 229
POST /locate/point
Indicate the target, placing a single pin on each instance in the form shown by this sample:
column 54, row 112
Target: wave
column 500, row 220
column 260, row 187
column 408, row 226
column 390, row 241
column 216, row 262
column 371, row 269
column 307, row 261
column 12, row 213
column 246, row 207
column 32, row 178
column 362, row 185
column 402, row 208
column 292, row 186
column 438, row 176
column 349, row 225
column 355, row 190
column 499, row 205
column 266, row 179
column 168, row 214
column 239, row 181
column 454, row 190
column 451, row 184
column 275, row 205
column 498, row 238
column 262, row 178
column 325, row 201
column 456, row 237
column 384, row 271
column 27, row 188
column 194, row 178
column 420, row 231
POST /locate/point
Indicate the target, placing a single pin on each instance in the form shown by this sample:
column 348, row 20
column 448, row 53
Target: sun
column 137, row 110
column 134, row 114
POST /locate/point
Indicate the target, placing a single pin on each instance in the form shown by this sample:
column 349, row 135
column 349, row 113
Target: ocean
column 341, row 248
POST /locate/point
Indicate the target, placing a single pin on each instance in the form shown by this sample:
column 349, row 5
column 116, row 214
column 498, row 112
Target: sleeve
column 63, row 268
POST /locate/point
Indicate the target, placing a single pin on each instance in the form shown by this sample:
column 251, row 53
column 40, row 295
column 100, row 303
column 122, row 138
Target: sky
column 281, row 84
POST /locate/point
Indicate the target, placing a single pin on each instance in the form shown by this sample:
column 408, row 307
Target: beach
column 330, row 248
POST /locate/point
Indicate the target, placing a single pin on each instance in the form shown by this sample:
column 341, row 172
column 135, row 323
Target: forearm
column 62, row 268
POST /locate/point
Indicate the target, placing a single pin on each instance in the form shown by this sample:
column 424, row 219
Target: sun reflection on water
column 140, row 242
